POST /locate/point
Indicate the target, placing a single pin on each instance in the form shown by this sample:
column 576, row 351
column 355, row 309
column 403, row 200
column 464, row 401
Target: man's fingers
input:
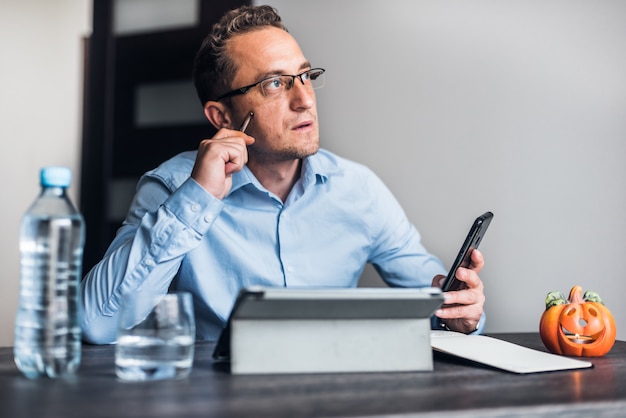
column 477, row 261
column 218, row 158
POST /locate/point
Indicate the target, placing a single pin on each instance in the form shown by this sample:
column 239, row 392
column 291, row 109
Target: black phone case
column 472, row 240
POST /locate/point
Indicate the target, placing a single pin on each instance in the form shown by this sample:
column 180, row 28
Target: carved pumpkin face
column 579, row 326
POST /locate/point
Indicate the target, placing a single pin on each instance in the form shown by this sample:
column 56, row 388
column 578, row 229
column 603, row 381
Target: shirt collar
column 315, row 168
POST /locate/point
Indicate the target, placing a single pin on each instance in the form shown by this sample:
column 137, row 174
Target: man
column 264, row 207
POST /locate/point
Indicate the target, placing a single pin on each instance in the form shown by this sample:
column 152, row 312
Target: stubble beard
column 285, row 154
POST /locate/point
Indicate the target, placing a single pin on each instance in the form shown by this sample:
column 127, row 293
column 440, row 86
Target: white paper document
column 501, row 354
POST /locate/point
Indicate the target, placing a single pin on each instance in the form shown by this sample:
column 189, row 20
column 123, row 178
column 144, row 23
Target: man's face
column 284, row 127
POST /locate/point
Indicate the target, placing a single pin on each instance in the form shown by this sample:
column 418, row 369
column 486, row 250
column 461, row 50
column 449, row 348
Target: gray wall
column 41, row 78
column 518, row 107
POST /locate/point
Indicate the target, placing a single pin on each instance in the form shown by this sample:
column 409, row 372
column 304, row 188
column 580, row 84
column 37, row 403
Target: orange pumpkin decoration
column 578, row 326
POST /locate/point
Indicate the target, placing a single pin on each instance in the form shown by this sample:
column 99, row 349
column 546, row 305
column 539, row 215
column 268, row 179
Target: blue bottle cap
column 56, row 177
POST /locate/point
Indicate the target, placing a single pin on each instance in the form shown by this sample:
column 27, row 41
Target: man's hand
column 463, row 308
column 218, row 158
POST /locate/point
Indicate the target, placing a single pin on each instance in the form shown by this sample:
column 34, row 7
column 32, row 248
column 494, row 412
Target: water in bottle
column 47, row 328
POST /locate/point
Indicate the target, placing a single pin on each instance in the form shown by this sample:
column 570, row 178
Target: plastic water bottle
column 47, row 326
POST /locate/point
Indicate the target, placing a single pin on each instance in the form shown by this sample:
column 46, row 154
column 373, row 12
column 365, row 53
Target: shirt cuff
column 194, row 206
column 438, row 324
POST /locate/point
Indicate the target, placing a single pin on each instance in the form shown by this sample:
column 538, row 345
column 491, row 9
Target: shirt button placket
column 288, row 269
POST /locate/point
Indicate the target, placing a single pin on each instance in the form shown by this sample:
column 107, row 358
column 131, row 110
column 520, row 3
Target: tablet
column 265, row 303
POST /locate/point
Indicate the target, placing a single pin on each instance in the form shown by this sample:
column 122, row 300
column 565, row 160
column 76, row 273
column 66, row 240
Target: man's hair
column 213, row 68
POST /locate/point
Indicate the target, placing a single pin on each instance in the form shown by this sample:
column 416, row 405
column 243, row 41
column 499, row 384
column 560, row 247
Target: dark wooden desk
column 454, row 389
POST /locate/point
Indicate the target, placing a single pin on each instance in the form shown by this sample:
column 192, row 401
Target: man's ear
column 218, row 115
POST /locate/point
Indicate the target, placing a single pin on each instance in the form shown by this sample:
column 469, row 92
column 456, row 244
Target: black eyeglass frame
column 245, row 89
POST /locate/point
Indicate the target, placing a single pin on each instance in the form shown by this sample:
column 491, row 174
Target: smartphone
column 463, row 258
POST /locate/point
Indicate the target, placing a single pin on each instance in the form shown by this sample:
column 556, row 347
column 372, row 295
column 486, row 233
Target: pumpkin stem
column 576, row 295
column 555, row 298
column 591, row 296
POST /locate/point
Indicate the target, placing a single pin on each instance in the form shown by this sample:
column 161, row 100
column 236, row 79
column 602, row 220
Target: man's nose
column 302, row 95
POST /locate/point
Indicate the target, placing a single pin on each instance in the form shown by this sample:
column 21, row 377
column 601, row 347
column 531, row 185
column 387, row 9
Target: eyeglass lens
column 313, row 79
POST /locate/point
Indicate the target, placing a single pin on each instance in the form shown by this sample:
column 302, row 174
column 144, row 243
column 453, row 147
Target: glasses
column 276, row 85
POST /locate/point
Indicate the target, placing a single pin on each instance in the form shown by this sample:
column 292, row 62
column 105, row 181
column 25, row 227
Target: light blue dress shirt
column 338, row 217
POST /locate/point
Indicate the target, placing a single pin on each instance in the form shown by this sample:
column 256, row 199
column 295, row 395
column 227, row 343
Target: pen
column 245, row 123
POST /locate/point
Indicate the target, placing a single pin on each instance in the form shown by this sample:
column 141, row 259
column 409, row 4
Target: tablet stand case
column 331, row 331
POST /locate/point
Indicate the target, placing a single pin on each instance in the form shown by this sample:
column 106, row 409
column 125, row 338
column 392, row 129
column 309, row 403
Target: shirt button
column 149, row 262
column 208, row 219
column 195, row 207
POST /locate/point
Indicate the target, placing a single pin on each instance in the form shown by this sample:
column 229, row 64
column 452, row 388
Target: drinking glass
column 155, row 337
